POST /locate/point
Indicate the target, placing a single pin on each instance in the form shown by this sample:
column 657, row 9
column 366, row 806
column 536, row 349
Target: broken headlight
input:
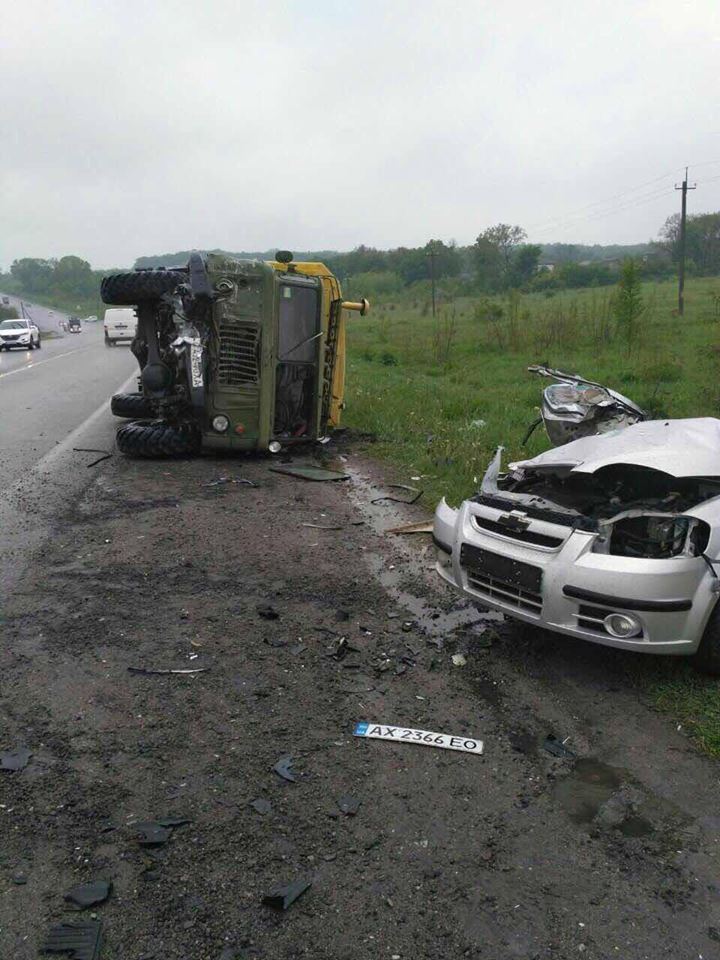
column 658, row 536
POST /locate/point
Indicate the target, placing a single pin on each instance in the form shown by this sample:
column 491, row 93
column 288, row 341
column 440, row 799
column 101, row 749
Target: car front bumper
column 558, row 583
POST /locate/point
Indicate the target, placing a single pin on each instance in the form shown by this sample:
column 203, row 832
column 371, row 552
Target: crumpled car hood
column 682, row 448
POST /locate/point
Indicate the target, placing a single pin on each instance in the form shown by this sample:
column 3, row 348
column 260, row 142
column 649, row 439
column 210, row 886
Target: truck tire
column 134, row 406
column 156, row 438
column 707, row 658
column 127, row 289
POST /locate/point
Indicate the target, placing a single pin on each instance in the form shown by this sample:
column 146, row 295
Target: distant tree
column 494, row 250
column 628, row 301
column 32, row 274
column 702, row 241
column 524, row 264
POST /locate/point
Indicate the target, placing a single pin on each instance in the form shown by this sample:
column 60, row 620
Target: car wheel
column 707, row 658
column 31, row 345
column 39, row 343
column 156, row 438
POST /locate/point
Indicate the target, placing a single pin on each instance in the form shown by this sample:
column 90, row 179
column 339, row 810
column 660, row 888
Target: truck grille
column 238, row 354
column 505, row 592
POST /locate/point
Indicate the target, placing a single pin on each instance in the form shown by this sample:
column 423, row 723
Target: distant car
column 74, row 325
column 6, row 301
column 120, row 324
column 92, row 319
column 19, row 333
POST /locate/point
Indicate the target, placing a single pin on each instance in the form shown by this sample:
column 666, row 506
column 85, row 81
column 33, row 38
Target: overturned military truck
column 233, row 354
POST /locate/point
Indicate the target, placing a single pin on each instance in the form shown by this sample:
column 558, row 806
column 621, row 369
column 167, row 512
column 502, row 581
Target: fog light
column 220, row 424
column 622, row 625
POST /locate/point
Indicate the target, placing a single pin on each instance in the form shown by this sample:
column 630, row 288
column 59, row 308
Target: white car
column 613, row 538
column 19, row 333
column 120, row 324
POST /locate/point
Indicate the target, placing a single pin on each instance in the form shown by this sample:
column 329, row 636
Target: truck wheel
column 134, row 406
column 127, row 289
column 156, row 438
column 707, row 658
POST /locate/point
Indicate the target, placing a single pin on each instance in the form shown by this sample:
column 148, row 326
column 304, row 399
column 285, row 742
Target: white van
column 120, row 324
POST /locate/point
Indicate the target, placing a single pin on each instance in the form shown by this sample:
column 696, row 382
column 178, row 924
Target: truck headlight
column 622, row 625
column 220, row 423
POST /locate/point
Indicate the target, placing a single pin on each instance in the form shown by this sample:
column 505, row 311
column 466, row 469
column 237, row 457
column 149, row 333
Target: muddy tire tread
column 156, row 438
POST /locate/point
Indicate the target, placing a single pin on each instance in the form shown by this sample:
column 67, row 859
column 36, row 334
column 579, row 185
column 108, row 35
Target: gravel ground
column 610, row 851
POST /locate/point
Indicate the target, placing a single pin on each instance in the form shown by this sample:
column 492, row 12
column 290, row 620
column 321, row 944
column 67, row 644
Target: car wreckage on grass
column 613, row 537
column 233, row 355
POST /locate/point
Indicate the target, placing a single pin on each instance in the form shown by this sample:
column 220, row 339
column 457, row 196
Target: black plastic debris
column 15, row 759
column 89, row 894
column 173, row 821
column 298, row 648
column 283, row 769
column 82, row 941
column 19, row 879
column 349, row 805
column 152, row 833
column 267, row 612
column 282, row 897
column 557, row 748
column 261, row 805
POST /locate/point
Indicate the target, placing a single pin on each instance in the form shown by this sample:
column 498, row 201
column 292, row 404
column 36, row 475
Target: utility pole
column 432, row 253
column 681, row 266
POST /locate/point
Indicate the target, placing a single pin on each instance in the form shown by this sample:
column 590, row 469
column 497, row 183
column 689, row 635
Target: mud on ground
column 517, row 853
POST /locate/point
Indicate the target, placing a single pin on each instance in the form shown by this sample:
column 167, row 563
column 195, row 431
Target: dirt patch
column 447, row 855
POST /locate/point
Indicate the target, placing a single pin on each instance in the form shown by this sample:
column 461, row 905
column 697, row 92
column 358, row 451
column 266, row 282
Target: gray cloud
column 132, row 128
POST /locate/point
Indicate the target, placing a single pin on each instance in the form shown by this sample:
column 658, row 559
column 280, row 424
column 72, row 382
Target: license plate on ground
column 522, row 575
column 424, row 738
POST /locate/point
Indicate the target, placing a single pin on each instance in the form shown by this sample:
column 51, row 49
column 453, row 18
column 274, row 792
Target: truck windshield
column 298, row 322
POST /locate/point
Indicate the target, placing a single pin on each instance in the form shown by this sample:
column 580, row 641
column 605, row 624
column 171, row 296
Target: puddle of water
column 589, row 787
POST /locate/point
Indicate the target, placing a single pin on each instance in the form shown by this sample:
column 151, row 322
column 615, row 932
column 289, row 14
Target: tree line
column 499, row 260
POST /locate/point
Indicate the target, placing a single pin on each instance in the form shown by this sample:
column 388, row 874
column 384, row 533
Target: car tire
column 128, row 289
column 134, row 406
column 38, row 344
column 156, row 438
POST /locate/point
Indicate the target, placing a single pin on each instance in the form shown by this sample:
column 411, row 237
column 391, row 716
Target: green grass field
column 442, row 394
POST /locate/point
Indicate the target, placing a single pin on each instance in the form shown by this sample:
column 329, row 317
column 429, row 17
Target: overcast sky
column 133, row 128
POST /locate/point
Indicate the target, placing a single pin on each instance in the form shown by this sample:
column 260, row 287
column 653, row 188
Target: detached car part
column 612, row 538
column 574, row 407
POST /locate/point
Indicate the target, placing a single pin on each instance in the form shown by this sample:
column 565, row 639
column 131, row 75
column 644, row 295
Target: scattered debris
column 342, row 649
column 146, row 672
column 323, row 526
column 399, row 486
column 261, row 805
column 311, row 473
column 425, row 738
column 81, row 940
column 298, row 648
column 282, row 897
column 412, row 528
column 458, row 660
column 478, row 424
column 19, row 879
column 105, row 455
column 267, row 612
column 15, row 759
column 349, row 805
column 238, row 480
column 557, row 747
column 89, row 894
column 174, row 821
column 407, row 626
column 283, row 769
column 152, row 833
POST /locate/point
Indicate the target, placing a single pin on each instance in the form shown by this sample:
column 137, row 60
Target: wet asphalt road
column 51, row 401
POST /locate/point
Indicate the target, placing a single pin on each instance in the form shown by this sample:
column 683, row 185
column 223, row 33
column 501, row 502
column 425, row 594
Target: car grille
column 525, row 536
column 505, row 592
column 11, row 339
column 238, row 353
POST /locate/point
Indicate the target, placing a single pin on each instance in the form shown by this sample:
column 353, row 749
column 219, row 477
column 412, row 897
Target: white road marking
column 32, row 365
